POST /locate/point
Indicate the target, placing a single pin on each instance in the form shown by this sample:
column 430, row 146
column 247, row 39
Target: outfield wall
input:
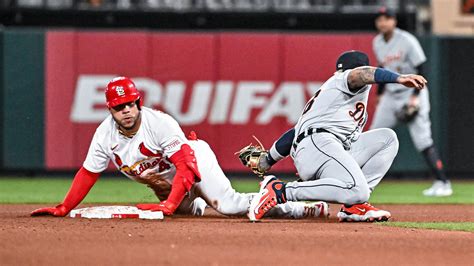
column 226, row 86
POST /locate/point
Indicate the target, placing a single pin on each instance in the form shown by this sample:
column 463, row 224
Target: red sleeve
column 187, row 174
column 81, row 185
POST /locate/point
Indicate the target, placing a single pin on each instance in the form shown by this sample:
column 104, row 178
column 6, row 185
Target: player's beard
column 123, row 125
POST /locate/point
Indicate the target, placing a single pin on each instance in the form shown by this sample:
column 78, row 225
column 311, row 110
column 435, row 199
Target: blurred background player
column 398, row 50
column 149, row 147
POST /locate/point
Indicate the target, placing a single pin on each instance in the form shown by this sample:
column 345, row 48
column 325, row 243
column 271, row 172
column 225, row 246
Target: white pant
column 216, row 190
column 333, row 174
column 420, row 128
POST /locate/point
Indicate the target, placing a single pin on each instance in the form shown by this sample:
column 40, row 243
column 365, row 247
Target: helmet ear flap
column 139, row 103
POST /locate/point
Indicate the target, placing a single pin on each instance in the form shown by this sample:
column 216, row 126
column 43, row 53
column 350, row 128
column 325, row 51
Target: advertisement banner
column 225, row 86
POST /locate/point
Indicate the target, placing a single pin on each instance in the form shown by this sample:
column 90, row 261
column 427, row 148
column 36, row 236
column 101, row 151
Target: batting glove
column 166, row 207
column 58, row 211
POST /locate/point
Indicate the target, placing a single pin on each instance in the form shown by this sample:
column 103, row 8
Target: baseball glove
column 408, row 113
column 253, row 157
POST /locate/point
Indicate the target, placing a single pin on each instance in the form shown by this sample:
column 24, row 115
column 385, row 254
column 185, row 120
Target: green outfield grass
column 406, row 192
column 122, row 190
column 464, row 226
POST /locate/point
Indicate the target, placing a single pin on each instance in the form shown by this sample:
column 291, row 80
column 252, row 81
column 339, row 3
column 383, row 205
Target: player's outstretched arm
column 361, row 76
column 81, row 185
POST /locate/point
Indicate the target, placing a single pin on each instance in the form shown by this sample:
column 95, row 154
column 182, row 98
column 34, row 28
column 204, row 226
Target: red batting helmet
column 121, row 90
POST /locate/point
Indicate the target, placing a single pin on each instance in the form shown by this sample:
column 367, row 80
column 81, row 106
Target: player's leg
column 330, row 173
column 375, row 151
column 216, row 189
column 384, row 116
column 420, row 132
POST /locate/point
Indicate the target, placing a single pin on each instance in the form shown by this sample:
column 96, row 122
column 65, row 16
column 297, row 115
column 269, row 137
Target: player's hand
column 412, row 81
column 166, row 207
column 58, row 211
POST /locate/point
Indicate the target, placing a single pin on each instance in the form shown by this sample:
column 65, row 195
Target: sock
column 435, row 163
column 280, row 189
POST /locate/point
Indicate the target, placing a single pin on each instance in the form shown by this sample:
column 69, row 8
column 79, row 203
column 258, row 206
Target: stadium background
column 227, row 69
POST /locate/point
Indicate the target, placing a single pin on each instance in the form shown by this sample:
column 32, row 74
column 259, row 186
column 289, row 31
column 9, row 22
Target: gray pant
column 419, row 128
column 333, row 174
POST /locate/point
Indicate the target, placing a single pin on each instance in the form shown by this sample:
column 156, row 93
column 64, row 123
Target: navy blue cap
column 351, row 59
column 384, row 11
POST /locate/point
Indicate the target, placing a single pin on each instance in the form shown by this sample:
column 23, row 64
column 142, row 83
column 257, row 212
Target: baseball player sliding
column 149, row 147
column 335, row 161
column 399, row 51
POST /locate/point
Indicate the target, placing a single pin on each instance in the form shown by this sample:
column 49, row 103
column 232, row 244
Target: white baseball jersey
column 402, row 54
column 336, row 109
column 158, row 138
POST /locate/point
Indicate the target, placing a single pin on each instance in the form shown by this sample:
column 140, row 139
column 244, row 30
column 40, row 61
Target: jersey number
column 358, row 113
column 309, row 104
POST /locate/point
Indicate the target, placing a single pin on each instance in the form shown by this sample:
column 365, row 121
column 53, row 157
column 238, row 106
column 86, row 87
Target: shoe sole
column 368, row 220
column 343, row 217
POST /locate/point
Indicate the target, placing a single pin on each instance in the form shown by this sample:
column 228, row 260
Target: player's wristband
column 270, row 160
column 385, row 76
column 274, row 156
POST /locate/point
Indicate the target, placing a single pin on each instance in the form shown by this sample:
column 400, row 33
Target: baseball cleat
column 318, row 209
column 439, row 189
column 362, row 213
column 271, row 193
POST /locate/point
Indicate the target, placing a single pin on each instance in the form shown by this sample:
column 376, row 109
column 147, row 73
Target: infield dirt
column 218, row 240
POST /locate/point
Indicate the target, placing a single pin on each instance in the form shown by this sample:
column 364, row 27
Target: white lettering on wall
column 247, row 98
column 220, row 102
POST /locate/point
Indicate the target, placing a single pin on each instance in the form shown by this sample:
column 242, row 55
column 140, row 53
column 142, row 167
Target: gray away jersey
column 402, row 54
column 336, row 109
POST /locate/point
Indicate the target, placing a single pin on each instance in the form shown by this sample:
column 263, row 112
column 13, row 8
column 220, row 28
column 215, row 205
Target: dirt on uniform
column 219, row 240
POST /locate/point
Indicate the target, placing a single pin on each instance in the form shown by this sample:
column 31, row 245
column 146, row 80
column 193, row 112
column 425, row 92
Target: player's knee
column 392, row 139
column 388, row 134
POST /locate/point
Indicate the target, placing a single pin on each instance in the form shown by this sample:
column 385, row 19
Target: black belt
column 308, row 132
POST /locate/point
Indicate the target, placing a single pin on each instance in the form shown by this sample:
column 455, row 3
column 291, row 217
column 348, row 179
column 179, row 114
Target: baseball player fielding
column 335, row 161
